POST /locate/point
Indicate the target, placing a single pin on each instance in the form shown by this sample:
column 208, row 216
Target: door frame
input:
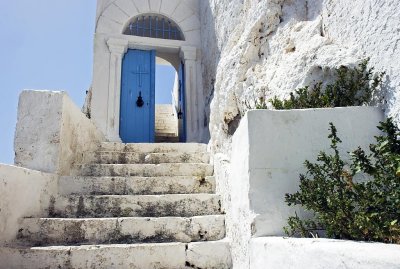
column 188, row 54
column 182, row 103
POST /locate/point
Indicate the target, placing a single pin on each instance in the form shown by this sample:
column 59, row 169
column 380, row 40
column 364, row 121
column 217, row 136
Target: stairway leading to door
column 166, row 124
column 130, row 206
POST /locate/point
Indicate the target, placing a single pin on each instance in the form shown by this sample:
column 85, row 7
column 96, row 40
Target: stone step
column 166, row 120
column 109, row 206
column 165, row 114
column 170, row 123
column 164, row 139
column 166, row 124
column 146, row 170
column 54, row 231
column 165, row 129
column 113, row 157
column 165, row 133
column 136, row 185
column 205, row 255
column 153, row 148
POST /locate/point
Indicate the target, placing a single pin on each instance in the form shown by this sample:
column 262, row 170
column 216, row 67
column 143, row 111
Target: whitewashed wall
column 52, row 132
column 24, row 193
column 294, row 253
column 268, row 152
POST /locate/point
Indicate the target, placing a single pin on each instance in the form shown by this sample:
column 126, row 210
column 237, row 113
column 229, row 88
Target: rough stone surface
column 154, row 148
column 185, row 205
column 293, row 253
column 271, row 47
column 114, row 157
column 48, row 231
column 213, row 255
column 146, row 170
column 158, row 256
column 136, row 185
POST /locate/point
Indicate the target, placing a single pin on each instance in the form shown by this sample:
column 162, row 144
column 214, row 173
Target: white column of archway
column 118, row 48
column 189, row 54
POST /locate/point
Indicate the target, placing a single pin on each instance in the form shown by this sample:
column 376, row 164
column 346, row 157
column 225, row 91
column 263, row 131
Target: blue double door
column 137, row 110
column 137, row 105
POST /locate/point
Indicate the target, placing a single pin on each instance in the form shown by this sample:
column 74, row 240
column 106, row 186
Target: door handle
column 140, row 101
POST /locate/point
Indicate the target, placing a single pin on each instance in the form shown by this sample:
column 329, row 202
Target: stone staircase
column 166, row 125
column 138, row 206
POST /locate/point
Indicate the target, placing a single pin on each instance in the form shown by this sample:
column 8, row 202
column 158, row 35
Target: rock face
column 147, row 206
column 267, row 48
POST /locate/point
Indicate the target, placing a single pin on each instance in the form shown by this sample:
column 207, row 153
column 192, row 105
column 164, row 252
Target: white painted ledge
column 296, row 253
column 52, row 132
column 23, row 193
column 278, row 143
column 268, row 152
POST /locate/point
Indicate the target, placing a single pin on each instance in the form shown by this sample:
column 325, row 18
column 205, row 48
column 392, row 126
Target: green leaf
column 347, row 208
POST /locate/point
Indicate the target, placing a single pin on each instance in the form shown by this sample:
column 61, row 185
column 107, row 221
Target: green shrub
column 352, row 87
column 344, row 206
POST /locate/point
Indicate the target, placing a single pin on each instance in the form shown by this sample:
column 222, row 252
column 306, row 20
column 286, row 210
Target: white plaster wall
column 271, row 47
column 280, row 142
column 24, row 193
column 294, row 253
column 100, row 83
column 37, row 132
column 52, row 133
column 78, row 135
column 268, row 152
column 233, row 184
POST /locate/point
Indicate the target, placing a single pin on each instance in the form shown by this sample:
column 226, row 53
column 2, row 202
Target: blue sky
column 45, row 45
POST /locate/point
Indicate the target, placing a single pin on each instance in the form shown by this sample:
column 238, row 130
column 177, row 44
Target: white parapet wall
column 23, row 193
column 298, row 253
column 268, row 152
column 52, row 132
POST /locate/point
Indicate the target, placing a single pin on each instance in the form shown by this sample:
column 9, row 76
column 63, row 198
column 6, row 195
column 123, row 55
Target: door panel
column 182, row 104
column 138, row 97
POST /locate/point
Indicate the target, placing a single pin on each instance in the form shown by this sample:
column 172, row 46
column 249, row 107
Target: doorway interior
column 166, row 102
column 152, row 98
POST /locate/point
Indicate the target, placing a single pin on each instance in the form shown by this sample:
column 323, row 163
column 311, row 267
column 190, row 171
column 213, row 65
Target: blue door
column 137, row 117
column 182, row 103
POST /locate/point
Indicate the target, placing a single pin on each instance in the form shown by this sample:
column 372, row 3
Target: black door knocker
column 139, row 101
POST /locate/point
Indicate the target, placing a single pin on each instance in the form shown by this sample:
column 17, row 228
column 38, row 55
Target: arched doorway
column 170, row 110
column 165, row 27
column 141, row 119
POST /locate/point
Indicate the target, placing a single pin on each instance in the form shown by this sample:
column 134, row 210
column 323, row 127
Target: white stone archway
column 111, row 45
